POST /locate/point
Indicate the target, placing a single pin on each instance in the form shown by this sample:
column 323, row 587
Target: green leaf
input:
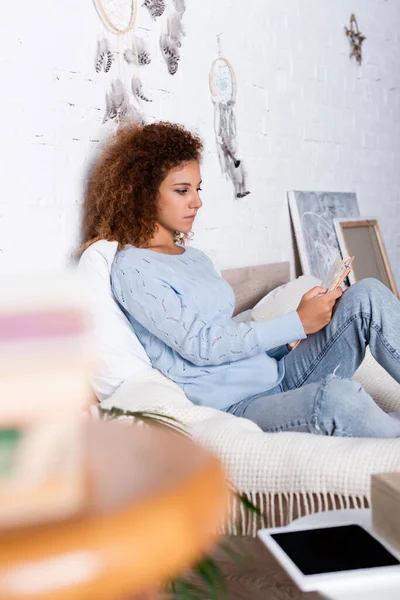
column 9, row 445
column 207, row 569
column 185, row 590
column 212, row 576
column 147, row 417
column 248, row 504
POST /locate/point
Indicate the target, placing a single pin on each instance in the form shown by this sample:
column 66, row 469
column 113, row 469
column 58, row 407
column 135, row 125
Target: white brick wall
column 308, row 118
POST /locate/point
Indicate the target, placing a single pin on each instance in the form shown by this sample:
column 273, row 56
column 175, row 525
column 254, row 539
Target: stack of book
column 385, row 498
column 45, row 362
column 45, row 355
column 43, row 473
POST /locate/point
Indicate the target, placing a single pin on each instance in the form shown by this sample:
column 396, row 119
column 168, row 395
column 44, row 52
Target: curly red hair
column 122, row 193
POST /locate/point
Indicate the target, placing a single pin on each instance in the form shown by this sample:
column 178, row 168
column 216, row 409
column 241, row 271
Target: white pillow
column 119, row 352
column 243, row 317
column 283, row 299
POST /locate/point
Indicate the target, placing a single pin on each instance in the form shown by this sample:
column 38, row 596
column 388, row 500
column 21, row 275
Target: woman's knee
column 367, row 289
column 365, row 298
column 341, row 405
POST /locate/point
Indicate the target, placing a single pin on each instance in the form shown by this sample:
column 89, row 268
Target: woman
column 144, row 192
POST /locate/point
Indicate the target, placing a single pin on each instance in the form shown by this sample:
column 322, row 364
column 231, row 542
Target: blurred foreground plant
column 212, row 584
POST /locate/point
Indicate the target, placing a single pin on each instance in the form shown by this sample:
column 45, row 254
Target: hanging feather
column 137, row 89
column 119, row 97
column 170, row 40
column 99, row 56
column 240, row 181
column 238, row 177
column 104, row 56
column 117, row 102
column 142, row 50
column 135, row 115
column 130, row 57
column 228, row 154
column 180, row 6
column 143, row 55
column 155, row 7
column 108, row 60
column 176, row 31
column 170, row 53
column 110, row 113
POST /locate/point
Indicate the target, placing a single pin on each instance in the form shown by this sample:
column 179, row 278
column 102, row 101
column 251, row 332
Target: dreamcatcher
column 118, row 18
column 223, row 93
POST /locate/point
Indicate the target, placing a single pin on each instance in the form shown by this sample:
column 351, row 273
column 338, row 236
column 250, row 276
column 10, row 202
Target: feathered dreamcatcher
column 121, row 54
column 123, row 97
column 223, row 93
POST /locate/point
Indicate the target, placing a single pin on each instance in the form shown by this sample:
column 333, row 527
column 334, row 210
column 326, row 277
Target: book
column 336, row 275
column 45, row 361
column 338, row 272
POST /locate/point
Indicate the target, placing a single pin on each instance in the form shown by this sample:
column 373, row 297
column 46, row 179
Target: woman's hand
column 315, row 310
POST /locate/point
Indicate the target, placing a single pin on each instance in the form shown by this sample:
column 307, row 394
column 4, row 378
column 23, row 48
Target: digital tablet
column 319, row 557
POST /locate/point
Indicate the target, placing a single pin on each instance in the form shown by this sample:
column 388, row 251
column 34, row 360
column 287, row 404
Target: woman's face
column 179, row 200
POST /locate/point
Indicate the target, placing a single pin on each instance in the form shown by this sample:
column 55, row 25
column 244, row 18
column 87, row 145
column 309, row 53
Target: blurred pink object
column 45, row 353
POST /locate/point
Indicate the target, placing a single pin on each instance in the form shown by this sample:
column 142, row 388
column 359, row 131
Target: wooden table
column 155, row 502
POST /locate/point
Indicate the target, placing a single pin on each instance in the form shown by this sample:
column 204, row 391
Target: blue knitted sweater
column 181, row 310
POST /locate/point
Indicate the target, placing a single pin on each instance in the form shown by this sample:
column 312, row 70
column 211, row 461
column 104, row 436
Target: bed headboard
column 250, row 284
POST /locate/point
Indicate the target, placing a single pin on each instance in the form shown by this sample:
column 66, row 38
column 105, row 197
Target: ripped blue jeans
column 317, row 394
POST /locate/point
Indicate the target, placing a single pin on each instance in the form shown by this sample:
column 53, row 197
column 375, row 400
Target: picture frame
column 312, row 214
column 361, row 237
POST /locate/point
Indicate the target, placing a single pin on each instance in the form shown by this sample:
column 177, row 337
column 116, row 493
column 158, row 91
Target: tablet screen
column 331, row 549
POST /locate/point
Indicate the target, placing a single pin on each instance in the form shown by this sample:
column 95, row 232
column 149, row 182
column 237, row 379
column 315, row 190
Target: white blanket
column 290, row 465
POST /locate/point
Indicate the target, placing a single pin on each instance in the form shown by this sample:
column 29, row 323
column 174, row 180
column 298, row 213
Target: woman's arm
column 158, row 308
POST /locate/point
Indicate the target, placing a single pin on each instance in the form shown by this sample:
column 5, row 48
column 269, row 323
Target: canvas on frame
column 312, row 215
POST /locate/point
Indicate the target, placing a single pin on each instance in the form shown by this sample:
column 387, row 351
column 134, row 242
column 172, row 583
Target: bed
column 285, row 474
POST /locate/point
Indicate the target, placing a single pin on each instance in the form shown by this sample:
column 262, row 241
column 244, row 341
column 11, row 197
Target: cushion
column 375, row 380
column 120, row 355
column 284, row 298
column 243, row 317
column 250, row 284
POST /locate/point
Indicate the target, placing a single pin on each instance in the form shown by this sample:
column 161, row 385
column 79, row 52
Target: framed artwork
column 361, row 238
column 312, row 215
